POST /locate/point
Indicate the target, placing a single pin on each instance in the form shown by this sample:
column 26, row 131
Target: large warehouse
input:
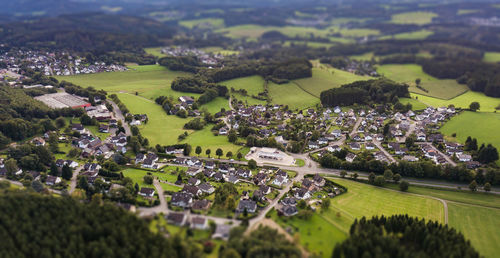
column 62, row 100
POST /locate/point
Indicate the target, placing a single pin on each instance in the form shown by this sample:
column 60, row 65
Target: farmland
column 416, row 105
column 414, row 35
column 492, row 57
column 418, row 18
column 203, row 23
column 252, row 84
column 443, row 89
column 149, row 81
column 292, row 95
column 466, row 124
column 488, row 104
column 325, row 78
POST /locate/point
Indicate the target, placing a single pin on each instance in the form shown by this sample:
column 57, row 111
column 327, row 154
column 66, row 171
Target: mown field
column 292, row 95
column 492, row 57
column 360, row 200
column 488, row 104
column 149, row 81
column 408, row 73
column 416, row 105
column 418, row 18
column 483, row 126
column 325, row 78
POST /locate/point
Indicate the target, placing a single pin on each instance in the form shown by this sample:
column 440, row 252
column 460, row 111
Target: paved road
column 446, row 157
column 72, row 183
column 119, row 116
column 382, row 149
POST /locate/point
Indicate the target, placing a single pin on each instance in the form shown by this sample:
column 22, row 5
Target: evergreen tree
column 67, row 172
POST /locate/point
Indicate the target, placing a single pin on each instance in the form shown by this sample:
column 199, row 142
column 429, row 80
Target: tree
column 232, row 136
column 473, row 186
column 187, row 150
column 37, row 186
column 54, row 170
column 354, row 175
column 388, row 174
column 252, row 164
column 53, row 143
column 379, row 181
column 239, row 156
column 148, row 179
column 396, row 177
column 207, row 152
column 67, row 172
column 60, row 122
column 83, row 183
column 198, row 150
column 325, row 204
column 343, row 173
column 11, row 166
column 229, row 154
column 474, row 106
column 487, row 154
column 417, row 81
column 404, row 185
column 371, row 178
column 487, row 187
column 219, row 152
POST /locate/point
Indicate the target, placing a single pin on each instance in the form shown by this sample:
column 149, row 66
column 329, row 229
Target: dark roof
column 147, row 190
column 249, row 205
column 176, row 217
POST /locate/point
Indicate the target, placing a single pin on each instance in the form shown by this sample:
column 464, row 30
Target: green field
column 363, row 57
column 414, row 35
column 155, row 51
column 137, row 176
column 203, row 23
column 149, row 81
column 466, row 11
column 418, row 18
column 325, row 78
column 416, row 105
column 483, row 126
column 308, row 44
column 360, row 200
column 215, row 105
column 488, row 104
column 219, row 50
column 408, row 73
column 492, row 57
column 292, row 95
column 252, row 84
column 479, row 224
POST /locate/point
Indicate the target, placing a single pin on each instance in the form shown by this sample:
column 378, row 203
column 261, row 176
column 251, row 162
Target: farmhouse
column 186, row 100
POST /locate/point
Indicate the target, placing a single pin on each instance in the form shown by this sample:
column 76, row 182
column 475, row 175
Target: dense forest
column 364, row 92
column 32, row 225
column 403, row 236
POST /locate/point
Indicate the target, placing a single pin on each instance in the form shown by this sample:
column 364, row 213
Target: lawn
column 466, row 124
column 203, row 23
column 325, row 78
column 416, row 105
column 492, row 57
column 488, row 104
column 408, row 73
column 149, row 81
column 292, row 95
column 418, row 18
column 479, row 225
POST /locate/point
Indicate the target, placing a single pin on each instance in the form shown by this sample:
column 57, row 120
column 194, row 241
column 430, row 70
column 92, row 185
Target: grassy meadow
column 252, row 84
column 414, row 35
column 488, row 104
column 292, row 95
column 491, row 57
column 408, row 73
column 418, row 18
column 416, row 105
column 203, row 23
column 483, row 126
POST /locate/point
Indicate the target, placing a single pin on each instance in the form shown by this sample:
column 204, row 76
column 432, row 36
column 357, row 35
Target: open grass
column 252, row 84
column 416, row 105
column 325, row 78
column 207, row 140
column 408, row 73
column 203, row 23
column 149, row 81
column 418, row 18
column 488, row 104
column 219, row 50
column 478, row 224
column 466, row 11
column 414, row 35
column 292, row 95
column 483, row 126
column 492, row 57
column 215, row 105
column 358, row 33
column 155, row 51
column 308, row 44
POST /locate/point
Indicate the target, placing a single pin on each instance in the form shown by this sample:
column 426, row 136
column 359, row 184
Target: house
column 410, row 158
column 181, row 199
column 210, row 165
column 280, row 181
column 218, row 177
column 355, row 146
column 176, row 218
column 248, row 205
column 193, row 171
column 192, row 190
column 104, row 128
column 207, row 188
column 233, row 179
column 265, row 189
column 52, row 180
column 37, row 141
column 289, row 201
column 147, row 192
column 78, row 127
column 464, row 157
column 333, row 148
column 319, row 180
column 223, row 168
column 199, row 223
column 337, row 133
column 201, row 204
column 245, row 173
column 370, row 146
column 223, row 131
column 260, row 178
column 289, row 210
column 140, row 157
column 313, row 145
column 186, row 100
column 322, row 141
column 350, row 157
column 149, row 163
column 222, row 231
column 194, row 181
column 209, row 173
column 302, row 194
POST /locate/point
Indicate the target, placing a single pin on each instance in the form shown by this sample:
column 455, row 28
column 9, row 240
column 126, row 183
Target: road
column 72, row 183
column 446, row 157
column 386, row 153
column 119, row 116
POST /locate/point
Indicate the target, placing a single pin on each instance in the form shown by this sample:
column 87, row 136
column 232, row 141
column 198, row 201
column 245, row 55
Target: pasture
column 416, row 105
column 414, row 35
column 488, row 104
column 219, row 50
column 292, row 95
column 149, row 81
column 483, row 126
column 252, row 84
column 203, row 23
column 491, row 57
column 155, row 51
column 418, row 18
column 478, row 224
column 325, row 78
column 408, row 73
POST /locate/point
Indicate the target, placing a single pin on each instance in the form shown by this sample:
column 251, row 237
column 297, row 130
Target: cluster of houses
column 54, row 63
column 93, row 146
column 204, row 57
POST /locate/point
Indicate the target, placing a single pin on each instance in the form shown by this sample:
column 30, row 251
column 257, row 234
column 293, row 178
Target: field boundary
column 300, row 86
